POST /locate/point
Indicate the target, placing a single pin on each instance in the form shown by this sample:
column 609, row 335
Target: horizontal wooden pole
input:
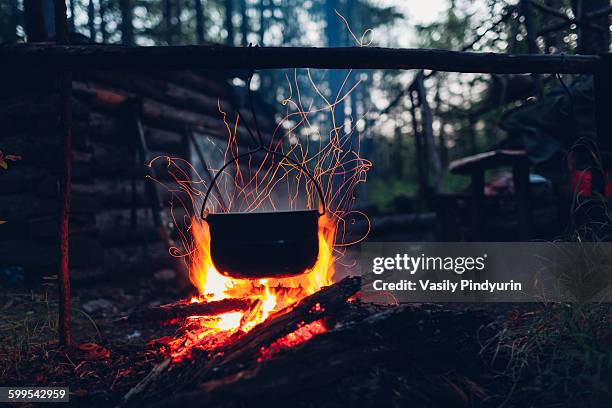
column 83, row 57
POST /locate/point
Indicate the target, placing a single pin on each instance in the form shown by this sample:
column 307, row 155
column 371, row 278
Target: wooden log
column 118, row 193
column 108, row 127
column 116, row 226
column 203, row 81
column 401, row 343
column 162, row 91
column 22, row 178
column 30, row 253
column 158, row 114
column 182, row 310
column 24, row 206
column 220, row 57
column 244, row 349
column 136, row 258
column 165, row 141
column 43, row 106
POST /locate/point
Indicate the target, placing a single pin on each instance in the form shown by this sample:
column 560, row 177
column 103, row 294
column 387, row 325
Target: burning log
column 242, row 350
column 181, row 310
column 371, row 347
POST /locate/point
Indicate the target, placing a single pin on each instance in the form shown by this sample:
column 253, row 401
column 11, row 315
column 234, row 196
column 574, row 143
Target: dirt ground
column 556, row 356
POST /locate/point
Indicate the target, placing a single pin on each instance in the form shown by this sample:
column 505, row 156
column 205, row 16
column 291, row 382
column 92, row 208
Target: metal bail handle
column 277, row 154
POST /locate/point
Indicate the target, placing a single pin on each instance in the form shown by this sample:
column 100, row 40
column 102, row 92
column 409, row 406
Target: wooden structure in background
column 112, row 231
column 475, row 166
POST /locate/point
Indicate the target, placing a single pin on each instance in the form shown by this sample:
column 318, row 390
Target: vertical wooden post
column 418, row 152
column 434, row 166
column 65, row 321
column 520, row 176
column 478, row 204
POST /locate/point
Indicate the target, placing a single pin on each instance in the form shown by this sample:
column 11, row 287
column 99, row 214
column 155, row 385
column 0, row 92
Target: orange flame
column 267, row 295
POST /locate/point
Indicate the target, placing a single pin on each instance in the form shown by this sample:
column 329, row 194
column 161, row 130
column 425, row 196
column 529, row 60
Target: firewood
column 181, row 310
column 242, row 351
column 143, row 384
column 404, row 339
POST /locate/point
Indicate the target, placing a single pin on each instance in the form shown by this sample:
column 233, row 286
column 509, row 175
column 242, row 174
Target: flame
column 266, row 295
column 273, row 293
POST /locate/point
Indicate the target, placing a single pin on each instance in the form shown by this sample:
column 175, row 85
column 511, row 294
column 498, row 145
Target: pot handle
column 277, row 154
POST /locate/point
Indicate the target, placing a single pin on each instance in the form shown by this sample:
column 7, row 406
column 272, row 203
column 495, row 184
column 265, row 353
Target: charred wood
column 182, row 310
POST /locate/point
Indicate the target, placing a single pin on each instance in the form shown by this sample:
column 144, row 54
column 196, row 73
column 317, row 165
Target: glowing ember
column 301, row 335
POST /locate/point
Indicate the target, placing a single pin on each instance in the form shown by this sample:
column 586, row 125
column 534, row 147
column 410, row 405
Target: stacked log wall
column 112, row 231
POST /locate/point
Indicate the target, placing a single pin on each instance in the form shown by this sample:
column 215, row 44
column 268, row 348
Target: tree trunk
column 244, row 23
column 590, row 39
column 127, row 28
column 71, row 20
column 103, row 32
column 13, row 22
column 332, row 33
column 441, row 134
column 262, row 22
column 229, row 24
column 91, row 21
column 554, row 40
column 34, row 21
column 176, row 23
column 199, row 21
column 168, row 21
column 430, row 143
column 418, row 151
column 526, row 11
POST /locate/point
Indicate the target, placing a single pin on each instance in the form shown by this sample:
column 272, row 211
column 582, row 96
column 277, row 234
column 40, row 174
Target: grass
column 28, row 332
column 560, row 356
column 24, row 331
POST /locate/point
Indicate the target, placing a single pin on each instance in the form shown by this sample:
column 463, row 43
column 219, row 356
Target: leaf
column 3, row 164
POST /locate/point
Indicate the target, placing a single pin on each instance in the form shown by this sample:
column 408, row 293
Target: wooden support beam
column 79, row 57
column 65, row 314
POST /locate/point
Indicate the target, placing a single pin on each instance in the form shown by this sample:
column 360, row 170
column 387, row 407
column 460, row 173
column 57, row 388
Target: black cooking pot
column 264, row 244
column 267, row 244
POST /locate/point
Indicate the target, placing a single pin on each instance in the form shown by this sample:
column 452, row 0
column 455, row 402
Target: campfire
column 263, row 297
column 266, row 315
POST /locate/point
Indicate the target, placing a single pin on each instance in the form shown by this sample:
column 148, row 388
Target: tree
column 262, row 21
column 9, row 21
column 91, row 20
column 244, row 22
column 127, row 16
column 593, row 35
column 199, row 21
column 102, row 10
column 229, row 23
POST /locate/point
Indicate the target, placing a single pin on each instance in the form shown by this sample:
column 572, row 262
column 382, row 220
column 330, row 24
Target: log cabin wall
column 112, row 232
